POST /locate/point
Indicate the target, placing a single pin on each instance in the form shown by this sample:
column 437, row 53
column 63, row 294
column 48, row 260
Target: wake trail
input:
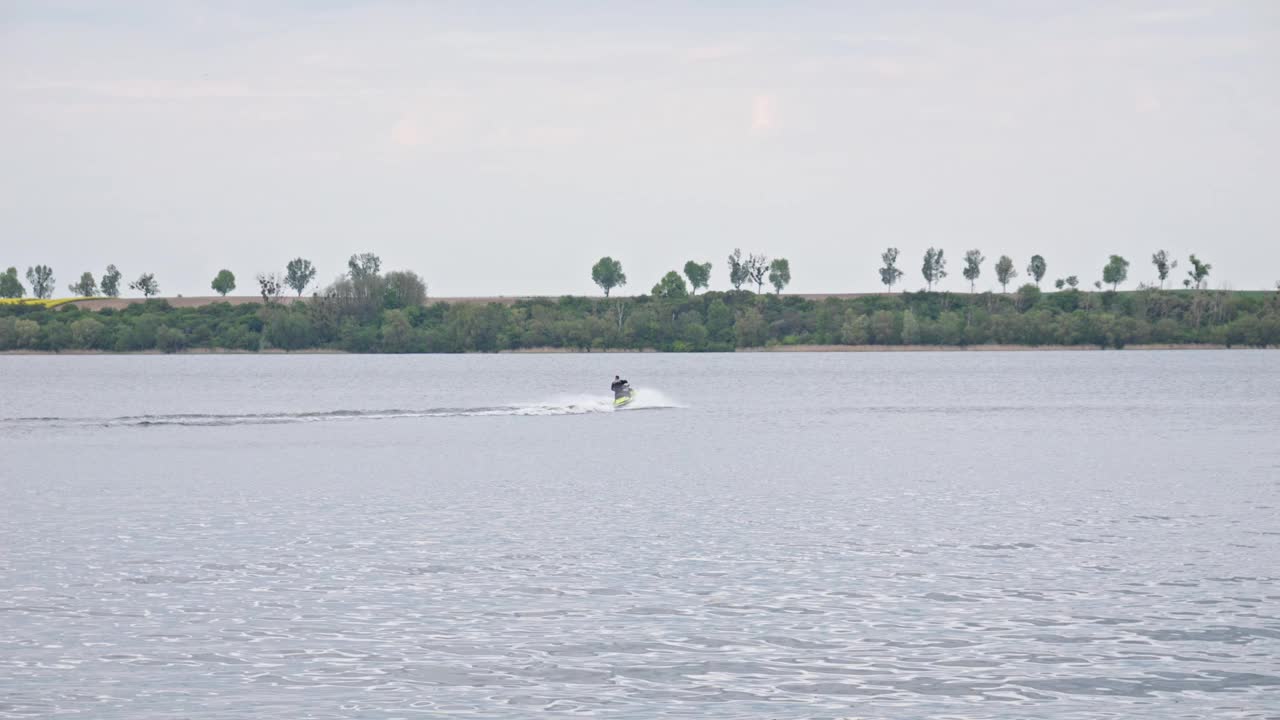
column 584, row 405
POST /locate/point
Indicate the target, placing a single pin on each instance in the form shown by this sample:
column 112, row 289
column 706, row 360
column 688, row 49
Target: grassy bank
column 710, row 322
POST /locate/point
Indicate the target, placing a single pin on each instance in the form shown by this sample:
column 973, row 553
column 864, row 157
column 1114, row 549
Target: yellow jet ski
column 623, row 395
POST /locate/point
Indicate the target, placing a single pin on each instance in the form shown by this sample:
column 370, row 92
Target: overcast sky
column 501, row 148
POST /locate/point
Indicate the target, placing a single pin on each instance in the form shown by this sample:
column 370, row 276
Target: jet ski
column 623, row 395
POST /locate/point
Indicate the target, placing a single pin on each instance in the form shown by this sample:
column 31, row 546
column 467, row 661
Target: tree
column 739, row 269
column 170, row 340
column 720, row 321
column 85, row 332
column 1005, row 272
column 890, row 274
column 111, row 282
column 699, row 275
column 619, row 309
column 1037, row 268
column 738, row 273
column 757, row 270
column 10, row 285
column 1073, row 282
column 934, row 268
column 1163, row 265
column 1198, row 273
column 41, row 279
column 299, row 273
column 1026, row 297
column 397, row 331
column 403, row 289
column 608, row 274
column 1059, row 283
column 146, row 284
column 670, row 287
column 224, row 282
column 25, row 332
column 1115, row 271
column 973, row 267
column 289, row 330
column 270, row 286
column 87, row 287
column 363, row 266
column 779, row 274
column 750, row 328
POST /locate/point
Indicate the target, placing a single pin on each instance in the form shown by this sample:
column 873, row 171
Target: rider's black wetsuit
column 618, row 387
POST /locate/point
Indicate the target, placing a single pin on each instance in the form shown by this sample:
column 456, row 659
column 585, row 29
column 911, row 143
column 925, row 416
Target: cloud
column 1146, row 102
column 711, row 53
column 407, row 132
column 888, row 68
column 433, row 127
column 1162, row 16
column 763, row 115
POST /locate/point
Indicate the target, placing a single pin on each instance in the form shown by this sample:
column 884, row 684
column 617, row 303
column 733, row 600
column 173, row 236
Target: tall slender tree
column 1199, row 272
column 973, row 267
column 758, row 270
column 41, row 279
column 111, row 282
column 1005, row 272
column 779, row 274
column 1163, row 265
column 1037, row 268
column 890, row 273
column 934, row 268
column 738, row 273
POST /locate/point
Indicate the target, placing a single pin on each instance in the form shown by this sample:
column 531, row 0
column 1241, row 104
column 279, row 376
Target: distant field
column 196, row 301
column 35, row 301
column 117, row 303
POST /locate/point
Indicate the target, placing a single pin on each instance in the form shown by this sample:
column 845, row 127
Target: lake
column 772, row 535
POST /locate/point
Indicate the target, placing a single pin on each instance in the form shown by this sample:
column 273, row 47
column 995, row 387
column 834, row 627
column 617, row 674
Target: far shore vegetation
column 368, row 310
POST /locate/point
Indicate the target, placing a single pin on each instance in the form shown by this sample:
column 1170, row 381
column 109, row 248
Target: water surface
column 976, row 535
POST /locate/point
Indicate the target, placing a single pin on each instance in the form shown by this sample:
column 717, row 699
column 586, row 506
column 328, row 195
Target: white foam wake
column 652, row 399
column 646, row 399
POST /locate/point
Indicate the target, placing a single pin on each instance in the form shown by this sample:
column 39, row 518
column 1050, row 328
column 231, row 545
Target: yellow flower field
column 46, row 303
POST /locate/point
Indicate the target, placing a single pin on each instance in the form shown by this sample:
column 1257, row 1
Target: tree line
column 298, row 274
column 1114, row 273
column 755, row 269
column 607, row 273
column 366, row 310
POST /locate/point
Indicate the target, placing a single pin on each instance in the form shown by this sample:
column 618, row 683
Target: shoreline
column 1151, row 347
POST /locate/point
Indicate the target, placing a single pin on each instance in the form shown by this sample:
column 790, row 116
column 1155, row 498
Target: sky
column 502, row 148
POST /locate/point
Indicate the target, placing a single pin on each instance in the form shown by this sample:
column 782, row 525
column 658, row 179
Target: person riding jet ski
column 622, row 392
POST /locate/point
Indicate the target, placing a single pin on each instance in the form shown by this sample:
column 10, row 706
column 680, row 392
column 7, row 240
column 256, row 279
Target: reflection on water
column 1047, row 552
